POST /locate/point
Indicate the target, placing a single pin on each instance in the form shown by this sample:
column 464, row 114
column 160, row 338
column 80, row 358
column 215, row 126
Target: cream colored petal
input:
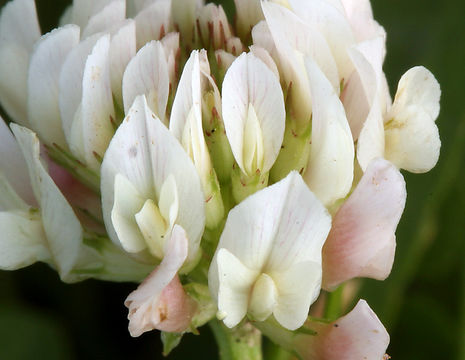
column 330, row 168
column 64, row 242
column 249, row 84
column 418, row 87
column 19, row 24
column 235, row 285
column 97, row 103
column 19, row 30
column 297, row 288
column 23, row 240
column 70, row 82
column 146, row 153
column 45, row 65
column 412, row 140
column 84, row 10
column 13, row 166
column 147, row 74
column 122, row 50
column 248, row 13
column 102, row 21
column 153, row 22
column 333, row 25
column 127, row 203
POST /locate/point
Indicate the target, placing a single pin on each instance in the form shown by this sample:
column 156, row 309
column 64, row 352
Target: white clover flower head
column 236, row 167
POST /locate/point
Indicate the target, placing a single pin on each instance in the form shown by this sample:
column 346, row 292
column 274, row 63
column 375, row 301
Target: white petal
column 97, row 103
column 147, row 74
column 19, row 30
column 298, row 287
column 235, row 285
column 23, row 240
column 334, row 26
column 249, row 83
column 122, row 50
column 128, row 201
column 186, row 113
column 13, row 166
column 64, row 242
column 153, row 22
column 360, row 16
column 362, row 240
column 105, row 19
column 265, row 56
column 45, row 65
column 84, row 10
column 145, row 152
column 365, row 83
column 14, row 62
column 19, row 24
column 294, row 39
column 276, row 227
column 70, row 83
column 331, row 165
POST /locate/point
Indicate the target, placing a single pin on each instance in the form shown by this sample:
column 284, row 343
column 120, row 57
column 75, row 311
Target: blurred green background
column 422, row 303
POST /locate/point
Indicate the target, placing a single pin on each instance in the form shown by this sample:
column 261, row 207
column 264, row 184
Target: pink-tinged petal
column 147, row 74
column 160, row 301
column 361, row 242
column 45, row 65
column 355, row 336
column 106, row 18
column 13, row 165
column 153, row 22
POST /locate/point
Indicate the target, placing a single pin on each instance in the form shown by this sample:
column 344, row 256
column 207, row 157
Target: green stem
column 334, row 304
column 241, row 343
column 276, row 352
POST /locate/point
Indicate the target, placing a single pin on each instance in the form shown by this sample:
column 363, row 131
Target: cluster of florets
column 237, row 168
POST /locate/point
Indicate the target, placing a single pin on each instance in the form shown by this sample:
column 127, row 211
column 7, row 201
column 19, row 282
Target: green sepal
column 170, row 341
